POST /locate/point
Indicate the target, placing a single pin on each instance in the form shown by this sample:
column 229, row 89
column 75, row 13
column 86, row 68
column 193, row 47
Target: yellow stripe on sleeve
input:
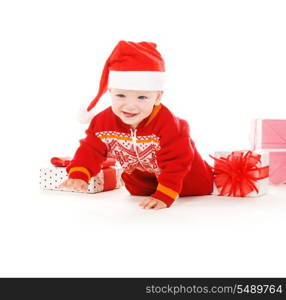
column 167, row 191
column 80, row 169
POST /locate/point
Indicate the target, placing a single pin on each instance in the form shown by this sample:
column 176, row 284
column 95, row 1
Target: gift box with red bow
column 241, row 173
column 109, row 177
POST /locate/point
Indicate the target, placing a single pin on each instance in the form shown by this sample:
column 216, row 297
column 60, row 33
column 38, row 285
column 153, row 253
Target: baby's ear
column 159, row 96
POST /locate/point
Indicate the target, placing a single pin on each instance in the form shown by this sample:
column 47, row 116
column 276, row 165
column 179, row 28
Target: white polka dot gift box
column 241, row 173
column 108, row 178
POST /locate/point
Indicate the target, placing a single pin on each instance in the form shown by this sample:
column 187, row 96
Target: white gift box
column 262, row 185
column 52, row 177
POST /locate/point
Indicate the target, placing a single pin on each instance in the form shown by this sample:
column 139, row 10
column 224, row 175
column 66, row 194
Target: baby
column 154, row 148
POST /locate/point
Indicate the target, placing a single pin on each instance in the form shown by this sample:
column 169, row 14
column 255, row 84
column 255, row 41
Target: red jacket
column 160, row 145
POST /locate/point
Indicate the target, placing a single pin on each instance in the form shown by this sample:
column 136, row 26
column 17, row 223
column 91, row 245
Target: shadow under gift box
column 107, row 179
column 234, row 173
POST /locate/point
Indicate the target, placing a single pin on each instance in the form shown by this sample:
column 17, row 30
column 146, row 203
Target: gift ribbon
column 109, row 179
column 60, row 161
column 237, row 174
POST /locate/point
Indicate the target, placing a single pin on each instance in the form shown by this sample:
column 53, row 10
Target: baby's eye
column 120, row 95
column 142, row 97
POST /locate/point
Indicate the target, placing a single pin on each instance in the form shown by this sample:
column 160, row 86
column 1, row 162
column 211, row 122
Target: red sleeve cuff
column 79, row 175
column 163, row 197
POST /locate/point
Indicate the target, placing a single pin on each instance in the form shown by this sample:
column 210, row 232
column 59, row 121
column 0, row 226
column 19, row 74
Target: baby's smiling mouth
column 129, row 115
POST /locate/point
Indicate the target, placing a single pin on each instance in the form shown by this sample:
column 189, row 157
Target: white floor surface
column 56, row 234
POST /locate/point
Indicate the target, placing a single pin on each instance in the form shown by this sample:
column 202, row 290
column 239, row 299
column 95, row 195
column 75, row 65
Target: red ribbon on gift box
column 60, row 161
column 237, row 174
column 109, row 179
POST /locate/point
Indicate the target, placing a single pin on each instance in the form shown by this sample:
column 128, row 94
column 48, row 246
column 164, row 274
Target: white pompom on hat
column 84, row 116
column 131, row 66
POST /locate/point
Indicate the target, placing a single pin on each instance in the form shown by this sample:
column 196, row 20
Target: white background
column 225, row 64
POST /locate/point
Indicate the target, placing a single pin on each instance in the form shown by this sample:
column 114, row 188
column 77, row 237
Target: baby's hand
column 152, row 203
column 77, row 185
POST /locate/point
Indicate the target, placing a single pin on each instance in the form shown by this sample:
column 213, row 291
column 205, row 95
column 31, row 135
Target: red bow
column 60, row 161
column 64, row 162
column 237, row 174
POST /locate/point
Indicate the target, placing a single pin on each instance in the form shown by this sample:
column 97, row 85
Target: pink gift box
column 268, row 134
column 277, row 169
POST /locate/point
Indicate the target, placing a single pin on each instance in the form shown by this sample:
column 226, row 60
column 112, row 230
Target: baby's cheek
column 148, row 109
column 116, row 110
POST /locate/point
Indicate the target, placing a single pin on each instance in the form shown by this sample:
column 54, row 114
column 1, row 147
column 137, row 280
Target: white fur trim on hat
column 137, row 80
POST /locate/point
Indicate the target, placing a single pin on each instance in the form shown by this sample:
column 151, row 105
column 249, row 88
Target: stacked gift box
column 269, row 136
column 109, row 177
column 247, row 173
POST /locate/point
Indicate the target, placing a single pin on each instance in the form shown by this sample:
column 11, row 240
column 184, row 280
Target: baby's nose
column 130, row 106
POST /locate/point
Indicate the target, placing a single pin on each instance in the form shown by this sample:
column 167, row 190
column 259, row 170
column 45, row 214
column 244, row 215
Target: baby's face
column 133, row 106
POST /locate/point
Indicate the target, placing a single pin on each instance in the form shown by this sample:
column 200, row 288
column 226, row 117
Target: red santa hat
column 131, row 66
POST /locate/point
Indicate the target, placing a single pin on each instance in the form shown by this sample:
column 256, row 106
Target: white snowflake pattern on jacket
column 131, row 151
